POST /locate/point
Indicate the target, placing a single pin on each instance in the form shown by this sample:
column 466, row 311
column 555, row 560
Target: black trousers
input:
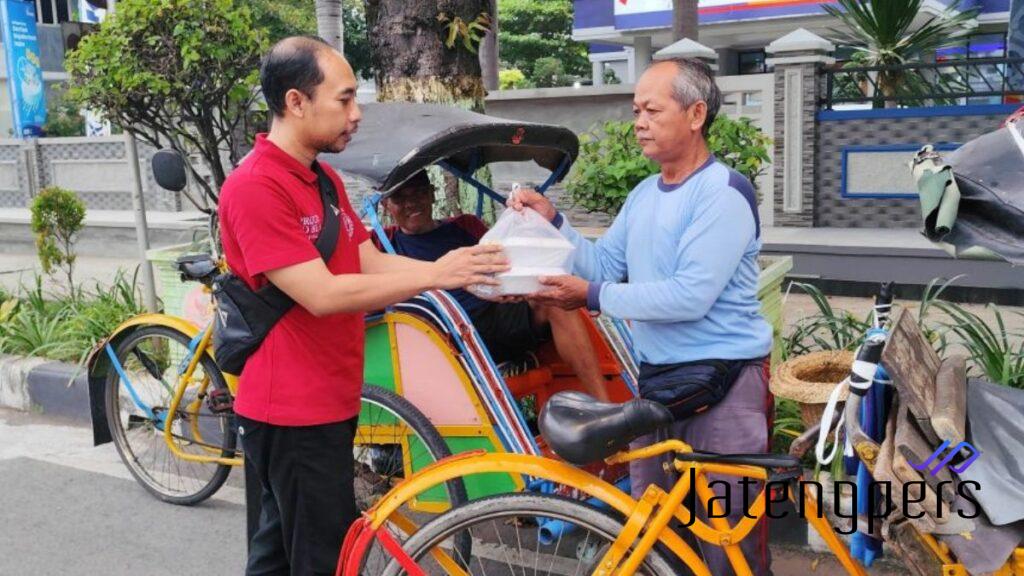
column 300, row 500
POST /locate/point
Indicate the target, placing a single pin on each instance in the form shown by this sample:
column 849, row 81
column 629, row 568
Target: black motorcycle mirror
column 171, row 173
column 169, row 170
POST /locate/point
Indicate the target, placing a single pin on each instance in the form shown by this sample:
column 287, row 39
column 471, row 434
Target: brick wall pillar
column 798, row 58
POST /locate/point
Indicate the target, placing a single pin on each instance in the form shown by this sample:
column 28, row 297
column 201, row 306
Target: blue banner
column 24, row 71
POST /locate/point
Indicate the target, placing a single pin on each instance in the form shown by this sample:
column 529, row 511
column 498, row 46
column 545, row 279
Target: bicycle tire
column 529, row 506
column 428, row 435
column 208, row 477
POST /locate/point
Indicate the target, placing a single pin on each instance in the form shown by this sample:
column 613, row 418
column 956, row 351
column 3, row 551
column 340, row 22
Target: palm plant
column 835, row 329
column 884, row 35
column 829, row 329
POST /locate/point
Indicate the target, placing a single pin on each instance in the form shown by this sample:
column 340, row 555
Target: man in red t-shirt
column 298, row 396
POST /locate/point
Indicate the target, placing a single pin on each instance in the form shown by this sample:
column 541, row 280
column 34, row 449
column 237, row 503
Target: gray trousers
column 738, row 424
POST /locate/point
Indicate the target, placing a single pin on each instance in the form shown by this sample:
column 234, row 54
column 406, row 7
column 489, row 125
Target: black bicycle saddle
column 580, row 429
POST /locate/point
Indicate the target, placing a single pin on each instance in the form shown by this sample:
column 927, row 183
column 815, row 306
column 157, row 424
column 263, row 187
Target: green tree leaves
column 529, row 30
column 178, row 72
column 611, row 162
column 57, row 217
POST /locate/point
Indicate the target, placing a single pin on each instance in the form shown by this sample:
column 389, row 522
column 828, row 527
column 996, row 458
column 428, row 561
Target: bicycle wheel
column 152, row 357
column 393, row 435
column 515, row 534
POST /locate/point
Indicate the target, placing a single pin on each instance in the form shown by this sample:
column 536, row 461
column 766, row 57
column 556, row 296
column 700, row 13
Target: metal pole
column 141, row 227
column 139, row 206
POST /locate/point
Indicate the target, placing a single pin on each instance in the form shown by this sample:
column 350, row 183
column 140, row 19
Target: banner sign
column 89, row 13
column 24, row 71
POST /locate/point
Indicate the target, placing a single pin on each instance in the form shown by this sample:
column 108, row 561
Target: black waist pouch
column 689, row 388
column 244, row 318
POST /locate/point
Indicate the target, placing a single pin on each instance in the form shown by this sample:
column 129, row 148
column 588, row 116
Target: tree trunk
column 410, row 58
column 329, row 24
column 413, row 64
column 684, row 20
column 489, row 51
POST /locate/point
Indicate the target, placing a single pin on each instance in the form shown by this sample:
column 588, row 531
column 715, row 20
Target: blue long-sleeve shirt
column 689, row 252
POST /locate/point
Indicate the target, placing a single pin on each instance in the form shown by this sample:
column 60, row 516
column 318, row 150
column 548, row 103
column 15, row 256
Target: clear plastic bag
column 534, row 248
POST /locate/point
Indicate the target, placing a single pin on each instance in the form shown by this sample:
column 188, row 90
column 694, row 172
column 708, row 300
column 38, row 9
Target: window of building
column 975, row 46
column 986, row 46
column 53, row 11
column 751, row 62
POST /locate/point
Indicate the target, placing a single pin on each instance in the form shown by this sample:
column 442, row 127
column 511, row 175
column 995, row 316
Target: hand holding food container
column 533, row 247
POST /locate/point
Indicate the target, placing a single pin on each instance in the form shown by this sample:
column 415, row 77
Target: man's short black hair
column 291, row 64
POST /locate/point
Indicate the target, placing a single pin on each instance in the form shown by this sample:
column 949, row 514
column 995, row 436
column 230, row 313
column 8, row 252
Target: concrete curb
column 44, row 386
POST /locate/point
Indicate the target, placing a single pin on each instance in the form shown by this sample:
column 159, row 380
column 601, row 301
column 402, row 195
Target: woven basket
column 810, row 379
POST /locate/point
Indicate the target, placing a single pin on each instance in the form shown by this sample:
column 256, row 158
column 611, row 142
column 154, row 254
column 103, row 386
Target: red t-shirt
column 309, row 370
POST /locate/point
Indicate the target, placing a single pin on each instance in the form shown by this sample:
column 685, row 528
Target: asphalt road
column 69, row 508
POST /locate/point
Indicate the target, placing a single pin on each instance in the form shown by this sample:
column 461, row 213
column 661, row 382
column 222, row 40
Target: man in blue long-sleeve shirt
column 680, row 262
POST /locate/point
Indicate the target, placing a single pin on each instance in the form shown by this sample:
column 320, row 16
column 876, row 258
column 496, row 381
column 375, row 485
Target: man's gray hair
column 694, row 82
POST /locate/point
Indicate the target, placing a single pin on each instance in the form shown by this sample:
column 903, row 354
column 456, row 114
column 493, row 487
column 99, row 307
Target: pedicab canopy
column 972, row 201
column 398, row 139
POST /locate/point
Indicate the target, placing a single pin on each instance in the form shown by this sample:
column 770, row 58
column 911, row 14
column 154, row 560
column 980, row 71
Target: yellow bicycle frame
column 647, row 519
column 97, row 370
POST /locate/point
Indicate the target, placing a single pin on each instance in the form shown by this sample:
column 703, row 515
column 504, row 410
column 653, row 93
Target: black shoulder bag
column 245, row 316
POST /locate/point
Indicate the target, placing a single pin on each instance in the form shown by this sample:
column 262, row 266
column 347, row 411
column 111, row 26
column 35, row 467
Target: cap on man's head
column 417, row 180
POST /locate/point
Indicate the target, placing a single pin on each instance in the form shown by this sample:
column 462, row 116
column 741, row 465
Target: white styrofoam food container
column 531, row 258
column 539, row 252
column 525, row 280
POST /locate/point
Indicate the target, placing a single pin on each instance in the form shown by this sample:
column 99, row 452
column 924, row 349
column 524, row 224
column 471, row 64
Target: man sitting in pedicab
column 511, row 330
